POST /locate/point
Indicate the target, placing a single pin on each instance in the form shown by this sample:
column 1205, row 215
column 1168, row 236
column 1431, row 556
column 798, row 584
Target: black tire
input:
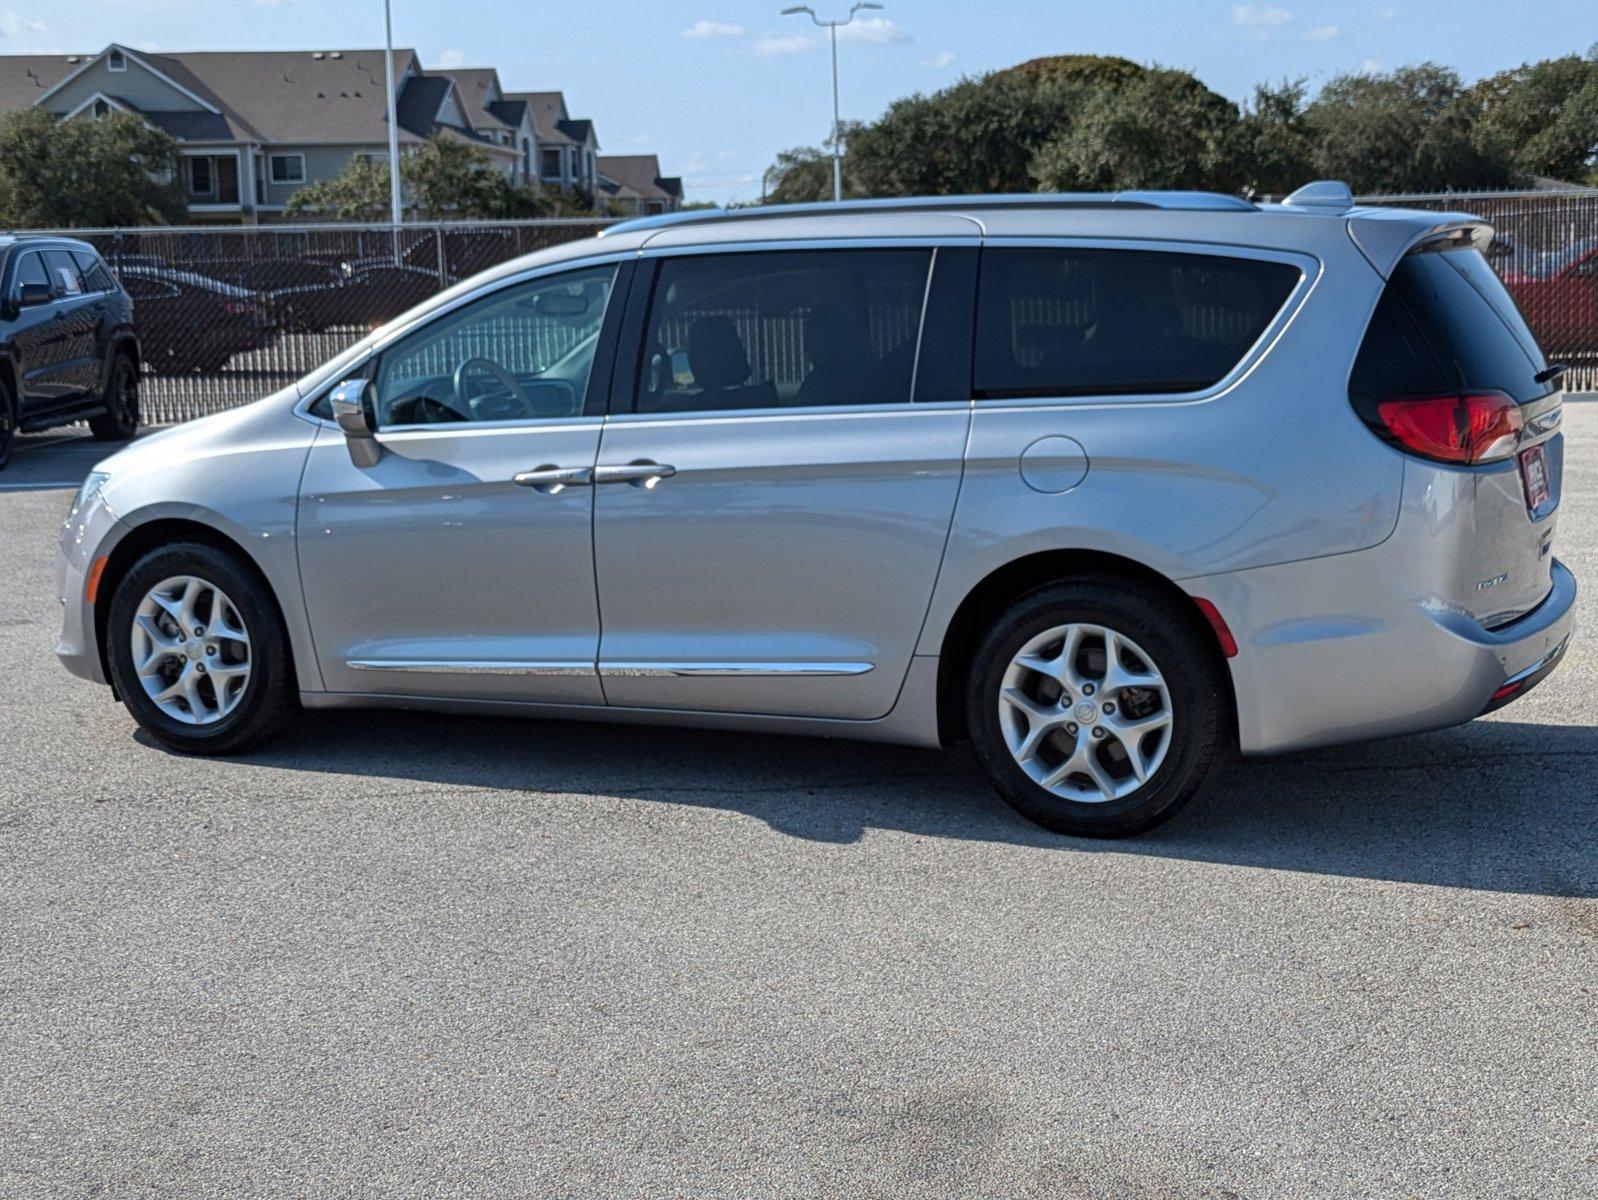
column 270, row 698
column 120, row 420
column 8, row 422
column 1183, row 652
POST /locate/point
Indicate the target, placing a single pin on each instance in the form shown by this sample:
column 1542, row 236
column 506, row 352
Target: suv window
column 30, row 269
column 96, row 277
column 796, row 328
column 523, row 352
column 1069, row 322
column 1446, row 324
column 64, row 276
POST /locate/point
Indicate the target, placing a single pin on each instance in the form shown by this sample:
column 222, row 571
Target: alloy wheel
column 191, row 650
column 1085, row 713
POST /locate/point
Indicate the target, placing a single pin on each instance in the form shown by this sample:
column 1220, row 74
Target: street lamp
column 837, row 126
column 395, row 213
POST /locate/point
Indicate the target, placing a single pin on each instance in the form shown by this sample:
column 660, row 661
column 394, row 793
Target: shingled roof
column 639, row 175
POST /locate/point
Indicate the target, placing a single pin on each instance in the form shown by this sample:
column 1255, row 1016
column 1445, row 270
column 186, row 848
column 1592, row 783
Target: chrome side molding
column 441, row 666
column 750, row 670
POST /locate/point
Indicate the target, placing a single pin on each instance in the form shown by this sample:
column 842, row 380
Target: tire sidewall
column 9, row 417
column 120, row 420
column 269, row 665
column 1196, row 706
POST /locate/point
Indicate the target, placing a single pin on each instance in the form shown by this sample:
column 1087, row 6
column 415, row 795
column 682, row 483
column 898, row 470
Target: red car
column 1558, row 293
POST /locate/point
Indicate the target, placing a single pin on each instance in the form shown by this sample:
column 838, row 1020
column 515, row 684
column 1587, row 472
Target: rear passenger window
column 96, row 278
column 1074, row 322
column 785, row 329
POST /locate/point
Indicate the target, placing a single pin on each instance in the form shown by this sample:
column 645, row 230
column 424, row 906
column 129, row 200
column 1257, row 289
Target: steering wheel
column 507, row 402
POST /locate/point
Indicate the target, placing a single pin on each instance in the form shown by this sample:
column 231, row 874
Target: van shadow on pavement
column 1495, row 805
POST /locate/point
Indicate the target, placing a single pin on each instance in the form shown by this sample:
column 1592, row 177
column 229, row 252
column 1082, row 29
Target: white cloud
column 939, row 61
column 1370, row 66
column 1254, row 17
column 1387, row 14
column 14, row 24
column 451, row 58
column 1321, row 33
column 713, row 29
column 776, row 47
column 879, row 31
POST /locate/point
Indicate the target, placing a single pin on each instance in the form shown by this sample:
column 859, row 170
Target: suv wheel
column 120, row 420
column 198, row 651
column 1096, row 709
column 8, row 422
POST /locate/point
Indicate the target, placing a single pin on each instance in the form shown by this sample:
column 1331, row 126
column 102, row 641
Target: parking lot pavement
column 400, row 954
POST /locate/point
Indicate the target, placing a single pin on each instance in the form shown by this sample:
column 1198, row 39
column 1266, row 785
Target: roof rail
column 1187, row 201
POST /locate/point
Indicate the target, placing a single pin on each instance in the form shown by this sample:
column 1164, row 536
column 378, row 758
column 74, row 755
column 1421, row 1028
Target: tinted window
column 64, row 277
column 30, row 269
column 142, row 286
column 1091, row 322
column 793, row 328
column 1445, row 323
column 521, row 353
column 96, row 278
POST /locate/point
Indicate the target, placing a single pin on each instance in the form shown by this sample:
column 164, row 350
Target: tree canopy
column 114, row 170
column 1086, row 122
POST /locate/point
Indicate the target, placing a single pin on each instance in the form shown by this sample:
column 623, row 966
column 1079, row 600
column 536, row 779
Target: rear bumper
column 1326, row 657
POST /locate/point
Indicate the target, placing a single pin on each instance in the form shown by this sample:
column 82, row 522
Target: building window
column 102, row 109
column 288, row 168
column 116, row 61
column 200, row 177
column 551, row 164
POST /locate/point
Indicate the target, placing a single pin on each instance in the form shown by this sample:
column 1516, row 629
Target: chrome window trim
column 818, row 412
column 1311, row 270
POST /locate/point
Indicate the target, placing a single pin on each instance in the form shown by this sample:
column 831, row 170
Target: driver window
column 522, row 353
column 30, row 269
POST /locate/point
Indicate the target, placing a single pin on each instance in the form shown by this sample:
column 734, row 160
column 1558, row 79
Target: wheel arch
column 163, row 531
column 1008, row 583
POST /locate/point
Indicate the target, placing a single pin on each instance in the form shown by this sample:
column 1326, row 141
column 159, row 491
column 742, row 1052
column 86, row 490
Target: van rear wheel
column 1097, row 707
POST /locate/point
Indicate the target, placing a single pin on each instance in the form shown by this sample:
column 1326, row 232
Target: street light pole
column 395, row 213
column 832, row 28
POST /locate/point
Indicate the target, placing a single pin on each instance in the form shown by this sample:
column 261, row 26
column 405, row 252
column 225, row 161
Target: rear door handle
column 643, row 473
column 550, row 479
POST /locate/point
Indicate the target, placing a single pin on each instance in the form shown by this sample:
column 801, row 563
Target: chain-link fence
column 227, row 314
column 1545, row 247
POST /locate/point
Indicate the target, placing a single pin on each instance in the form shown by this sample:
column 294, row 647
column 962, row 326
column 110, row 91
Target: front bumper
column 89, row 534
column 1328, row 654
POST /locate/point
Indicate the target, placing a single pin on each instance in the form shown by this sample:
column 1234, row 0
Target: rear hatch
column 1449, row 374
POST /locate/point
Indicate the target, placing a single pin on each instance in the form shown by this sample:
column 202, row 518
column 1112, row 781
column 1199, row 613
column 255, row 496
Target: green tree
column 1412, row 130
column 1276, row 144
column 1543, row 116
column 86, row 172
column 441, row 178
column 1161, row 129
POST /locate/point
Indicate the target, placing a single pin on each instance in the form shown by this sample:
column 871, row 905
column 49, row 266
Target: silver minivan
column 1106, row 484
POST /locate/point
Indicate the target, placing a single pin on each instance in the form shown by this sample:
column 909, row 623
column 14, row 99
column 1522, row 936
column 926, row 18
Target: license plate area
column 1534, row 474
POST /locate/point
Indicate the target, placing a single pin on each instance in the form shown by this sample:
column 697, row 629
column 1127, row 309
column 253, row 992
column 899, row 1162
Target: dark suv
column 67, row 346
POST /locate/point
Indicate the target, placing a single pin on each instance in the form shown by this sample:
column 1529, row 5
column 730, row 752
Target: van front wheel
column 1097, row 707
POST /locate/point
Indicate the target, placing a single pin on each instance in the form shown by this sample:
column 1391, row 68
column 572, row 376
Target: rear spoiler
column 1385, row 235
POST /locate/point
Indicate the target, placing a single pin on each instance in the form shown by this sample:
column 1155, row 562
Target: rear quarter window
column 1446, row 324
column 1077, row 322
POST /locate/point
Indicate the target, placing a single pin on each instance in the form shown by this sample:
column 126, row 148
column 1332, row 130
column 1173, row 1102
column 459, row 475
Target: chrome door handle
column 550, row 479
column 643, row 473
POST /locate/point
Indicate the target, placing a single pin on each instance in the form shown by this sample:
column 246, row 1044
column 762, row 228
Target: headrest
column 716, row 353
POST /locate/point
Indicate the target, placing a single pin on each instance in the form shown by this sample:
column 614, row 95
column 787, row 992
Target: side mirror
column 354, row 410
column 33, row 293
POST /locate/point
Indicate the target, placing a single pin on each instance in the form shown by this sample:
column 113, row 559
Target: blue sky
column 716, row 87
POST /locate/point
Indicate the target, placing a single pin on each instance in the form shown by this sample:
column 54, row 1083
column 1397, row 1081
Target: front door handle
column 643, row 473
column 550, row 479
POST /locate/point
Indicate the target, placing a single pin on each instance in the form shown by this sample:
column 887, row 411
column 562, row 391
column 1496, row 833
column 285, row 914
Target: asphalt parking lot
column 411, row 955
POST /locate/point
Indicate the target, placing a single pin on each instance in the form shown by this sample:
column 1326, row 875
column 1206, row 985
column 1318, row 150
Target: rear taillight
column 1465, row 428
